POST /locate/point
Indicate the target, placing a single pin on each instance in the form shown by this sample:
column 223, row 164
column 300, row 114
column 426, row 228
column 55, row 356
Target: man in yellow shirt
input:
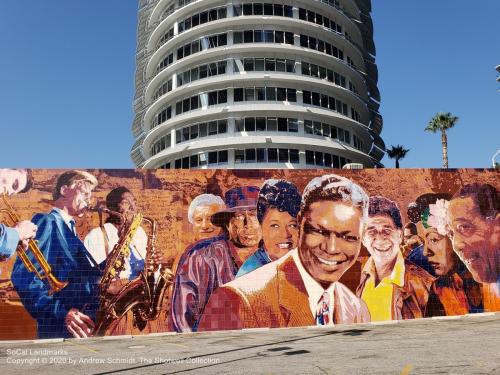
column 392, row 287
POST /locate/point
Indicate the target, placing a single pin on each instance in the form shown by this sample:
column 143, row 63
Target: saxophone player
column 100, row 242
column 71, row 311
column 13, row 181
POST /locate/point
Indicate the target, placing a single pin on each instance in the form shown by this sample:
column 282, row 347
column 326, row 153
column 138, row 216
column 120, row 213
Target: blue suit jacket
column 70, row 261
column 9, row 238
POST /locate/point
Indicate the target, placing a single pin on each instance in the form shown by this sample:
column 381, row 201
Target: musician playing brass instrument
column 71, row 311
column 13, row 181
column 102, row 243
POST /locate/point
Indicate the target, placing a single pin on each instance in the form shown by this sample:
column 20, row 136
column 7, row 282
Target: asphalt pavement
column 461, row 345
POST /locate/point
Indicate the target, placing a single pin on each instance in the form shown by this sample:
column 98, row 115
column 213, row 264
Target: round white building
column 247, row 84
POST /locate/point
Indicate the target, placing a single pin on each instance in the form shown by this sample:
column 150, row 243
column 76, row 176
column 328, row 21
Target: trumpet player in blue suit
column 71, row 311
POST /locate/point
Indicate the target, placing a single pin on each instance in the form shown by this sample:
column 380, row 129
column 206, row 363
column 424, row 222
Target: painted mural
column 118, row 252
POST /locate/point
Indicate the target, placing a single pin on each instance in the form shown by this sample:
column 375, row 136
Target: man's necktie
column 72, row 226
column 323, row 309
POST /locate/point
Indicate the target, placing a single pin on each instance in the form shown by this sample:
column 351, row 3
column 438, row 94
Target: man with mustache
column 71, row 311
column 392, row 287
column 212, row 262
column 14, row 181
column 454, row 292
column 200, row 214
column 474, row 224
column 302, row 288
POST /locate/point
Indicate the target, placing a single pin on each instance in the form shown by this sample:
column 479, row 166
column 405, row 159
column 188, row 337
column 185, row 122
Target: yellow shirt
column 379, row 298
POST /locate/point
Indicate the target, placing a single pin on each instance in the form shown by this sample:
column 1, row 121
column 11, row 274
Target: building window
column 201, row 130
column 161, row 144
column 202, row 44
column 262, row 155
column 266, row 36
column 321, row 72
column 321, row 46
column 200, row 72
column 251, row 94
column 268, row 65
column 325, row 101
column 165, row 37
column 163, row 116
column 165, row 63
column 323, row 159
column 267, row 9
column 210, row 15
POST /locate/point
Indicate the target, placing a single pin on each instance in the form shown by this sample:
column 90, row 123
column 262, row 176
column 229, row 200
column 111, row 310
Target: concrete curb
column 122, row 337
column 339, row 327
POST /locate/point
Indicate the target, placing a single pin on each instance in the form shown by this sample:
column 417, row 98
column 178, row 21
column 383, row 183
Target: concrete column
column 230, row 158
column 172, row 138
column 230, row 126
column 302, row 158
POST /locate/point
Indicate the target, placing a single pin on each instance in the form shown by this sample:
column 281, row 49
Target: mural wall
column 113, row 252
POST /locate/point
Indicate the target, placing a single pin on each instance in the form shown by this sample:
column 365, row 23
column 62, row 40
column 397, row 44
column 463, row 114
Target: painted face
column 476, row 240
column 410, row 239
column 439, row 252
column 202, row 223
column 330, row 239
column 12, row 181
column 128, row 206
column 382, row 238
column 244, row 229
column 78, row 195
column 279, row 232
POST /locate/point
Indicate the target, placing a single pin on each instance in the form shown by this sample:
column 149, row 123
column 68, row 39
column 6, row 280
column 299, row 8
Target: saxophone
column 143, row 295
column 109, row 310
column 155, row 279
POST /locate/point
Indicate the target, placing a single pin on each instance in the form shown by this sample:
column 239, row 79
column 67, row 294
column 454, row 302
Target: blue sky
column 67, row 76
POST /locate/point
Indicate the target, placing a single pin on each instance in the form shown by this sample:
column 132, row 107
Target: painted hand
column 26, row 230
column 79, row 324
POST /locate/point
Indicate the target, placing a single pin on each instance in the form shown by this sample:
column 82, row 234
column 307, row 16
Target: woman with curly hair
column 277, row 208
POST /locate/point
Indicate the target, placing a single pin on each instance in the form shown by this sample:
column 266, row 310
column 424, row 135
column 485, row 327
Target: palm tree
column 397, row 152
column 442, row 122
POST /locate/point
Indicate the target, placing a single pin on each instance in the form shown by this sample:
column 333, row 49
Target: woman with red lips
column 454, row 292
column 277, row 208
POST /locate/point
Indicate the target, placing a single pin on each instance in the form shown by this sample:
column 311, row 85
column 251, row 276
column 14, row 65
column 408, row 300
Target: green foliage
column 442, row 121
column 397, row 152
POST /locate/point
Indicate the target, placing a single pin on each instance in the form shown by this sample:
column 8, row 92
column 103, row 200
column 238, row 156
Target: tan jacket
column 274, row 296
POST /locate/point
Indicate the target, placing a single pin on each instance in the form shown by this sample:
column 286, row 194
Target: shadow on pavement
column 352, row 332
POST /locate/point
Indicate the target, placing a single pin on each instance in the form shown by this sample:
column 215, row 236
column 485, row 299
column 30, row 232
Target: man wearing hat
column 210, row 263
column 302, row 288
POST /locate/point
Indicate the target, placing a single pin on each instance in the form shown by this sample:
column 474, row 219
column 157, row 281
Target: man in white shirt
column 100, row 241
column 302, row 287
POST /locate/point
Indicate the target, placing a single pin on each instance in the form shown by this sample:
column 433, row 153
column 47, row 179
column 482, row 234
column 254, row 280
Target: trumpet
column 45, row 274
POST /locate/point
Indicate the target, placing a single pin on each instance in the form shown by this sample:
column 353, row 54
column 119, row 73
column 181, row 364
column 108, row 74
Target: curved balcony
column 342, row 46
